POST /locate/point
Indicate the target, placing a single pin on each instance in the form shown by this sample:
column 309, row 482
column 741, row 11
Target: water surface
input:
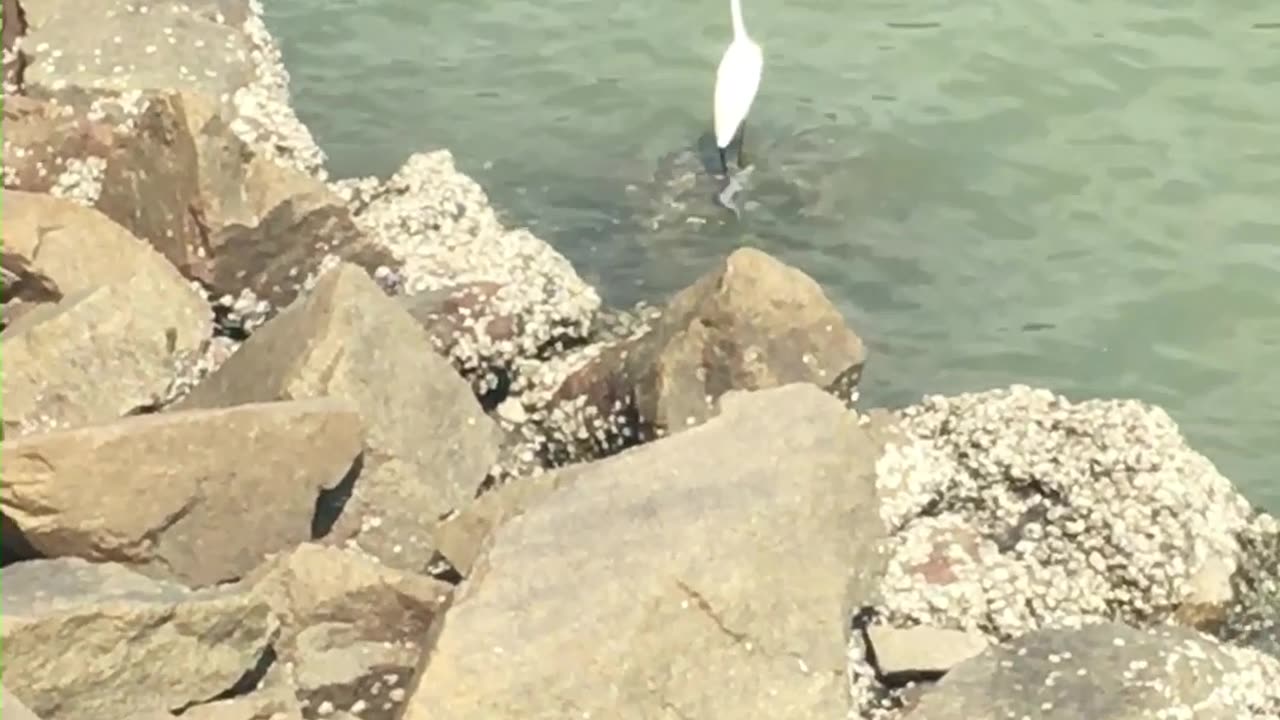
column 1081, row 195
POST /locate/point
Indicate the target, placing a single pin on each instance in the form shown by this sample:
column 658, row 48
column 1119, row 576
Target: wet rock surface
column 279, row 446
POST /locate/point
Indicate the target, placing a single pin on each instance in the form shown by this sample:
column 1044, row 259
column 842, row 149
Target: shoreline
column 266, row 431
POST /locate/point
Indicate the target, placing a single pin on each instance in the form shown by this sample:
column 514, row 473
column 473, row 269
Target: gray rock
column 97, row 355
column 428, row 443
column 1107, row 671
column 177, row 482
column 739, row 558
column 88, row 641
column 922, row 651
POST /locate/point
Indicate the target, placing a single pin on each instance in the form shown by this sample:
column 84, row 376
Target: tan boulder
column 71, row 247
column 708, row 574
column 103, row 351
column 750, row 323
column 176, row 482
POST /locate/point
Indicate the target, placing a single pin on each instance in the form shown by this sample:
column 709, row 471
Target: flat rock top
column 132, row 46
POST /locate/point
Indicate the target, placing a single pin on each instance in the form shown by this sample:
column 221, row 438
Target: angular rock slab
column 708, row 574
column 72, row 248
column 200, row 496
column 1106, row 671
column 86, row 641
column 101, row 353
column 429, row 443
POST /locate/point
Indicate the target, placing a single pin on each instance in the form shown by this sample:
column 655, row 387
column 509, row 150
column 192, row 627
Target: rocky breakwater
column 276, row 446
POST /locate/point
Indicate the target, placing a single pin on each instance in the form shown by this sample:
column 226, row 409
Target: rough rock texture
column 92, row 357
column 439, row 224
column 750, row 323
column 70, row 248
column 351, row 628
column 741, row 561
column 1105, row 671
column 89, row 641
column 1253, row 618
column 1093, row 509
column 428, row 444
column 110, row 152
column 337, row 668
column 315, row 583
column 221, row 50
column 176, row 482
column 13, row 707
column 1015, row 509
column 168, row 167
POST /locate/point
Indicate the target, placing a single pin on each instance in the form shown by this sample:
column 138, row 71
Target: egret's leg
column 742, row 141
column 724, row 166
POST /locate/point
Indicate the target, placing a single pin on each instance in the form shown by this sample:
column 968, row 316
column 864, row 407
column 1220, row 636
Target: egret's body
column 737, row 80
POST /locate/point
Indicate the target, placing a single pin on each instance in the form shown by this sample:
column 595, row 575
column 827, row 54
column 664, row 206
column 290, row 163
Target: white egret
column 737, row 80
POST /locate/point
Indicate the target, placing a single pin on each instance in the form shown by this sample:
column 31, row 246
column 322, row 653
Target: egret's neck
column 739, row 27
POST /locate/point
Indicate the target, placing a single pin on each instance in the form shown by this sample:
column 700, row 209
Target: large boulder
column 175, row 483
column 1015, row 509
column 106, row 349
column 86, row 641
column 429, row 445
column 750, row 323
column 69, row 248
column 708, row 574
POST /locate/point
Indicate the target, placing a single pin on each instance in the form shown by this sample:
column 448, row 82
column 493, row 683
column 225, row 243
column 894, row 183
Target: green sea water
column 1084, row 195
